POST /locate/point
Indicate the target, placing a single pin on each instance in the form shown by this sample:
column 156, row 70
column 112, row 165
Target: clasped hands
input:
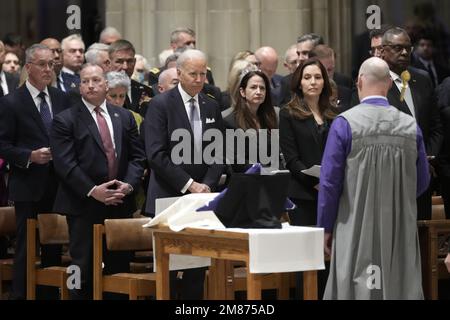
column 111, row 193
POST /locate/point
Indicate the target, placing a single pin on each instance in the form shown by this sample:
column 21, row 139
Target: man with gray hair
column 73, row 58
column 109, row 35
column 184, row 107
column 122, row 55
column 374, row 166
column 26, row 116
column 97, row 53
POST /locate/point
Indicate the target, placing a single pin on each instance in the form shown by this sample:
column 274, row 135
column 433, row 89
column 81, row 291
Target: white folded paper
column 314, row 171
column 181, row 213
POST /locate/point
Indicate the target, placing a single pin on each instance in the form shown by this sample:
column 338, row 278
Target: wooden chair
column 53, row 229
column 123, row 234
column 7, row 228
column 433, row 268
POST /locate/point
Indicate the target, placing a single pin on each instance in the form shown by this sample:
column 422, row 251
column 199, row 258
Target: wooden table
column 429, row 230
column 220, row 246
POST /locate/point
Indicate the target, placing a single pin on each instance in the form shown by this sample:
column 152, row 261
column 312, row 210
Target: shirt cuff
column 186, row 187
column 90, row 192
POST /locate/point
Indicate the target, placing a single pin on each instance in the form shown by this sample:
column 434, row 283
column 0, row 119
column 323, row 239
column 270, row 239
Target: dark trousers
column 50, row 254
column 445, row 191
column 424, row 205
column 305, row 214
column 190, row 287
column 81, row 251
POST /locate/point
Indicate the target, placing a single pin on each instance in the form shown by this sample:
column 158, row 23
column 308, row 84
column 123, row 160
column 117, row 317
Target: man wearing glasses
column 55, row 46
column 414, row 95
column 26, row 116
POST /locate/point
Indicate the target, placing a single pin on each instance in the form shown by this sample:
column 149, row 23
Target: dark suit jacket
column 302, row 147
column 22, row 131
column 342, row 80
column 443, row 94
column 444, row 157
column 80, row 160
column 12, row 80
column 427, row 112
column 138, row 90
column 441, row 71
column 166, row 113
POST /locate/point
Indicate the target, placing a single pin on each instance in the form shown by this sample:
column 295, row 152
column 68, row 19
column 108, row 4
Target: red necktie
column 107, row 143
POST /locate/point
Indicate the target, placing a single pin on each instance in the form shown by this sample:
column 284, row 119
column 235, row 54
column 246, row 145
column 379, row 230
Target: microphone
column 406, row 77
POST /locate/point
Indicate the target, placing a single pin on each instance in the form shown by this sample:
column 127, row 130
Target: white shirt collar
column 394, row 76
column 67, row 70
column 373, row 97
column 91, row 107
column 185, row 96
column 34, row 91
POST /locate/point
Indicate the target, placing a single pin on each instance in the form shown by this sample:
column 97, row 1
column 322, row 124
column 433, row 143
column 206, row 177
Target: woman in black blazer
column 304, row 124
column 253, row 110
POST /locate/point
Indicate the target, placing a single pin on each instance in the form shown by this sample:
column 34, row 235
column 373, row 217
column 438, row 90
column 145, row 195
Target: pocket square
column 212, row 120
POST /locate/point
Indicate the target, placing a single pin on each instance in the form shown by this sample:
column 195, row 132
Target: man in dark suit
column 419, row 99
column 73, row 58
column 98, row 157
column 25, row 119
column 183, row 107
column 423, row 58
column 121, row 54
column 8, row 82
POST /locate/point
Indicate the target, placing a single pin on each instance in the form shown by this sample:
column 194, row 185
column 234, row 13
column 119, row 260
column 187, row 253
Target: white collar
column 186, row 97
column 34, row 91
column 373, row 97
column 91, row 107
column 67, row 70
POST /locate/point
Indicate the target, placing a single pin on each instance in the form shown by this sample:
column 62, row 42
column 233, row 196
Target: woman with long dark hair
column 253, row 110
column 304, row 124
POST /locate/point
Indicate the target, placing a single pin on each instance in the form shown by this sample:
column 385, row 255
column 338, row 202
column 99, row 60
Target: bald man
column 168, row 79
column 268, row 58
column 374, row 166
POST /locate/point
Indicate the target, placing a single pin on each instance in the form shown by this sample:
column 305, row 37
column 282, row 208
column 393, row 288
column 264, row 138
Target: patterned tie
column 107, row 143
column 45, row 111
column 195, row 122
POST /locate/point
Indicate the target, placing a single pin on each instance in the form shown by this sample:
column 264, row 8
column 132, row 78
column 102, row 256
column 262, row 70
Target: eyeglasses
column 43, row 64
column 374, row 50
column 399, row 48
column 57, row 50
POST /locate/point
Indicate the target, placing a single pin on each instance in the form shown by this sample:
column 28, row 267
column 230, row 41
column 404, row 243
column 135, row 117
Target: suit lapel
column 203, row 111
column 414, row 92
column 31, row 109
column 312, row 127
column 180, row 109
column 394, row 100
column 86, row 117
column 117, row 126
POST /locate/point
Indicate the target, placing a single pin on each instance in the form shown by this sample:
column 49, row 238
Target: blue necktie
column 45, row 111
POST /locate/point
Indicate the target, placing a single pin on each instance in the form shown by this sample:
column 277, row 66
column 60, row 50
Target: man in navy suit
column 25, row 119
column 99, row 159
column 73, row 58
column 183, row 107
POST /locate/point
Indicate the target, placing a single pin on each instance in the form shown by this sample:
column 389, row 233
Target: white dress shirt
column 408, row 96
column 3, row 83
column 187, row 106
column 105, row 114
